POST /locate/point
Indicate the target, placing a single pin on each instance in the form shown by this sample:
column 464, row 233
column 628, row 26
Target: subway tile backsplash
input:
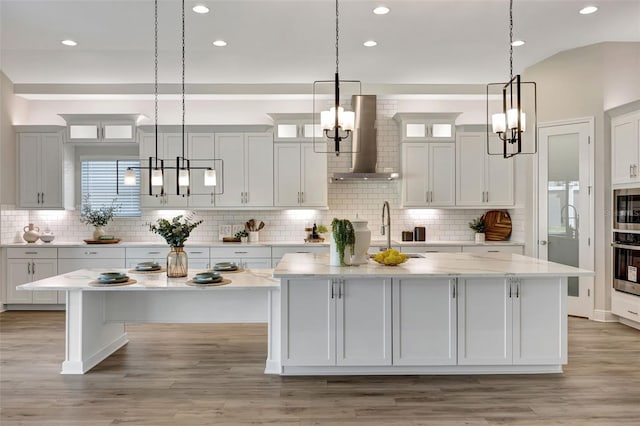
column 345, row 201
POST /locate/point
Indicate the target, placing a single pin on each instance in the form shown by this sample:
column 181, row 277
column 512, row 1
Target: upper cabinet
column 428, row 171
column 40, row 169
column 427, row 127
column 295, row 127
column 248, row 169
column 625, row 148
column 300, row 176
column 482, row 180
column 100, row 127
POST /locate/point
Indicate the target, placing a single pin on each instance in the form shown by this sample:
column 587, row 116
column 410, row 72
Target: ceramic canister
column 363, row 239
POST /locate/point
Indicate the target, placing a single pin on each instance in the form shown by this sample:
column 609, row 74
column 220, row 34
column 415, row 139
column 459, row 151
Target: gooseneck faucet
column 388, row 224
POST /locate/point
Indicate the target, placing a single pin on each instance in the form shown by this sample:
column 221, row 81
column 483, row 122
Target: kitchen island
column 446, row 313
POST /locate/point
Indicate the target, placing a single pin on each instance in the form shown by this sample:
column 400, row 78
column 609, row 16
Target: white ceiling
column 280, row 41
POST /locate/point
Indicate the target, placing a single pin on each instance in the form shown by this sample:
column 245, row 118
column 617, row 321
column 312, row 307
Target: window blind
column 98, row 181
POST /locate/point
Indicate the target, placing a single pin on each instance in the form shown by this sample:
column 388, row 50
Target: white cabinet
column 428, row 174
column 198, row 257
column 300, row 176
column 40, row 170
column 427, row 127
column 296, row 127
column 27, row 265
column 517, row 249
column 201, row 147
column 257, row 257
column 248, row 169
column 100, row 128
column 512, row 321
column 336, row 322
column 430, row 249
column 481, row 179
column 625, row 148
column 424, row 321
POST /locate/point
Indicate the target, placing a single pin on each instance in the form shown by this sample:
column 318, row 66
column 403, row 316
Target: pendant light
column 183, row 165
column 157, row 173
column 510, row 124
column 337, row 124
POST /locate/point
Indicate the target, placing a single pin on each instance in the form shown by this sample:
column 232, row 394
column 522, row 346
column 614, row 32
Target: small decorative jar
column 98, row 232
column 31, row 233
column 177, row 262
column 254, row 236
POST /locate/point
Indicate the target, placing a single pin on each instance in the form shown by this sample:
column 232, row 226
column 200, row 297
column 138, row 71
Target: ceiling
column 276, row 41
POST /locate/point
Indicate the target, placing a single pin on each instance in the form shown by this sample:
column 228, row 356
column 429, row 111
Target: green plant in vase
column 175, row 232
column 343, row 236
column 98, row 218
column 479, row 226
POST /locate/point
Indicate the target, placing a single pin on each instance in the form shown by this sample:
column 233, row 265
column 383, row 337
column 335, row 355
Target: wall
column 345, row 199
column 583, row 83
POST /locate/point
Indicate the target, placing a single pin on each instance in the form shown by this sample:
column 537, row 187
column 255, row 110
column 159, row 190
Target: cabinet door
column 540, row 321
column 424, row 322
column 201, row 147
column 259, row 170
column 363, row 322
column 484, row 322
column 442, row 174
column 230, row 148
column 308, row 322
column 29, row 169
column 415, row 171
column 624, row 149
column 499, row 182
column 41, row 269
column 287, row 174
column 470, row 164
column 18, row 272
column 252, row 263
column 51, row 171
column 172, row 150
column 313, row 177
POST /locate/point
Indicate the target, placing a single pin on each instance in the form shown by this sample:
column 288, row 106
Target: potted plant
column 175, row 232
column 243, row 236
column 99, row 218
column 343, row 236
column 479, row 226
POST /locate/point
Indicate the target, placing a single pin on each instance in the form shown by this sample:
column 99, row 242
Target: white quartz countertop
column 307, row 265
column 79, row 280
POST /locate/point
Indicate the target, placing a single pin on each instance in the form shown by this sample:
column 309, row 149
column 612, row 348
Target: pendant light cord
column 337, row 37
column 183, row 67
column 510, row 40
column 155, row 87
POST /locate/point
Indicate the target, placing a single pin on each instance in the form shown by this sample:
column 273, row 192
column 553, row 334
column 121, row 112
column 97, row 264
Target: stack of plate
column 112, row 278
column 148, row 266
column 207, row 278
column 225, row 267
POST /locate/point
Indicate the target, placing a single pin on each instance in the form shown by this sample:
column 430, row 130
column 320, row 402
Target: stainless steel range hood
column 364, row 142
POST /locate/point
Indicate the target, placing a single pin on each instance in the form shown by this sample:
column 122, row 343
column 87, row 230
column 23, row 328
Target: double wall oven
column 626, row 240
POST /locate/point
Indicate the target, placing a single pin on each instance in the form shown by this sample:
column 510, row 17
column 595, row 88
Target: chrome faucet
column 388, row 225
column 564, row 212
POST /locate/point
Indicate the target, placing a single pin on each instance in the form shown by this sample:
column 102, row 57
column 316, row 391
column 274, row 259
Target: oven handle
column 625, row 246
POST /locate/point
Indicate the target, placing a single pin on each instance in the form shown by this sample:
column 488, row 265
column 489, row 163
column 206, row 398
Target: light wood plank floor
column 213, row 374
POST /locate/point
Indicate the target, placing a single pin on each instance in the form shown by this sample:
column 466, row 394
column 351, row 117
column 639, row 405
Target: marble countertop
column 308, row 265
column 79, row 280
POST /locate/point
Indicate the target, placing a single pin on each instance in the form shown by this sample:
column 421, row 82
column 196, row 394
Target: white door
column 29, row 179
column 259, row 169
column 308, row 322
column 230, row 148
column 363, row 322
column 624, row 149
column 287, row 174
column 424, row 322
column 442, row 174
column 51, row 171
column 41, row 269
column 565, row 205
column 313, row 176
column 415, row 169
column 18, row 272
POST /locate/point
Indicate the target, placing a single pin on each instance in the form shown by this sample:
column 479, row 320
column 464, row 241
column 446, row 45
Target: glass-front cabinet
column 101, row 127
column 427, row 127
column 295, row 127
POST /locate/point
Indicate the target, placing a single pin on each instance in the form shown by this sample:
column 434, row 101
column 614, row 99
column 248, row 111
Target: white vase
column 98, row 232
column 363, row 239
column 31, row 233
column 479, row 237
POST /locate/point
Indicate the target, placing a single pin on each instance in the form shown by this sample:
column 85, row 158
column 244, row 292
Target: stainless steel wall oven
column 626, row 209
column 626, row 262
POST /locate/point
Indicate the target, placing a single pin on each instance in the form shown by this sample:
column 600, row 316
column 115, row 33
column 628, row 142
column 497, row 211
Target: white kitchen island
column 446, row 313
column 96, row 317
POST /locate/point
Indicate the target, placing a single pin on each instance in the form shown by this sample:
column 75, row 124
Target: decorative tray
column 114, row 241
column 314, row 240
column 230, row 240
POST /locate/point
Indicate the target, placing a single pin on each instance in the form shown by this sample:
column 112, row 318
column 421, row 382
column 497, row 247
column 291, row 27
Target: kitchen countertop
column 307, row 265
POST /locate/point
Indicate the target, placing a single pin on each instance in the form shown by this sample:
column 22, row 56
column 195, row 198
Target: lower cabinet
column 424, row 321
column 27, row 265
column 511, row 321
column 257, row 257
column 336, row 322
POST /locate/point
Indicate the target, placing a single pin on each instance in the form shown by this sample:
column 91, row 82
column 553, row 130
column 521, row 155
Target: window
column 98, row 180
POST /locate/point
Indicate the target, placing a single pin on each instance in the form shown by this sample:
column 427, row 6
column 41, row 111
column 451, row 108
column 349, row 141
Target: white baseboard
column 604, row 316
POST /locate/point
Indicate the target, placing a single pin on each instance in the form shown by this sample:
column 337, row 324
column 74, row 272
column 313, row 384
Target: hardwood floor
column 213, row 374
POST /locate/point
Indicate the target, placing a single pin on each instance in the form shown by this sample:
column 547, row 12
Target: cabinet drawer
column 490, row 249
column 431, row 249
column 32, row 253
column 68, row 265
column 147, row 252
column 240, row 252
column 278, row 251
column 625, row 305
column 91, row 253
column 197, row 252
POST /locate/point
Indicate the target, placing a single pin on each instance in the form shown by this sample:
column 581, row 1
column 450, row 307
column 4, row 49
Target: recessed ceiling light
column 370, row 43
column 200, row 8
column 219, row 43
column 381, row 10
column 588, row 10
column 517, row 43
column 69, row 43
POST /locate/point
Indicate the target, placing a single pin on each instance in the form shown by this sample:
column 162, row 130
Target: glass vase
column 177, row 263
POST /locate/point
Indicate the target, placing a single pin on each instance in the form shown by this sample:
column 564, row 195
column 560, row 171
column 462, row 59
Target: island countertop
column 301, row 265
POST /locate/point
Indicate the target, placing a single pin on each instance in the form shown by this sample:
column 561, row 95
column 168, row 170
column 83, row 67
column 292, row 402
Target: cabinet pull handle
column 42, row 198
column 630, row 170
column 302, row 197
column 487, row 196
column 195, row 252
column 517, row 289
column 29, row 268
column 454, row 290
column 240, row 252
column 333, row 284
column 509, row 289
column 340, row 289
column 633, row 313
column 493, row 251
column 33, row 268
column 90, row 252
column 153, row 252
column 38, row 198
column 30, row 252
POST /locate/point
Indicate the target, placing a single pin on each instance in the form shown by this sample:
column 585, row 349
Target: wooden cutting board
column 497, row 225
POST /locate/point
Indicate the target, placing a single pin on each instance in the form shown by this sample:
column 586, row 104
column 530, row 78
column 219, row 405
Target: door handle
column 543, row 242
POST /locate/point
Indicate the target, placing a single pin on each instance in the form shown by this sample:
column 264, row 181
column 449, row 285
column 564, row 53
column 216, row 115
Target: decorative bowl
column 47, row 238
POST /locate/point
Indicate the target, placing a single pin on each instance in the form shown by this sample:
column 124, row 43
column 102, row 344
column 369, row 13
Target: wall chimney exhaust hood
column 364, row 159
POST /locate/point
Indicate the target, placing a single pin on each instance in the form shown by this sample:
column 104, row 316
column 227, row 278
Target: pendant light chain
column 183, row 67
column 510, row 40
column 337, row 37
column 155, row 87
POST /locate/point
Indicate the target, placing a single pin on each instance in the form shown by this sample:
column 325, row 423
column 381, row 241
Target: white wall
column 13, row 110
